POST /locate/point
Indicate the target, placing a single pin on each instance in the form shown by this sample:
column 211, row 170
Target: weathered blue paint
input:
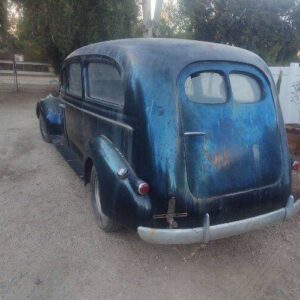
column 241, row 146
column 147, row 135
column 49, row 109
column 125, row 204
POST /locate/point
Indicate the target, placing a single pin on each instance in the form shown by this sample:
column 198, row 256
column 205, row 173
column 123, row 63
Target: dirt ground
column 51, row 247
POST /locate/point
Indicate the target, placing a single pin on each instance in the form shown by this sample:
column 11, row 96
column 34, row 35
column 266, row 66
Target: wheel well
column 37, row 110
column 88, row 170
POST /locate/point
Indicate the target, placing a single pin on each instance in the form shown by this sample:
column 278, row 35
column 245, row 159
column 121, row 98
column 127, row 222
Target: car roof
column 160, row 52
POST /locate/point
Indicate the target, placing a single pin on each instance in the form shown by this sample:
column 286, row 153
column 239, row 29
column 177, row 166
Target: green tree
column 271, row 28
column 7, row 40
column 3, row 19
column 54, row 28
column 3, row 22
column 172, row 23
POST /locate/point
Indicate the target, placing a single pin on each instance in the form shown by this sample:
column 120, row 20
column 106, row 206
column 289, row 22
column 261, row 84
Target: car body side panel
column 74, row 120
column 156, row 152
column 118, row 198
column 49, row 108
column 99, row 121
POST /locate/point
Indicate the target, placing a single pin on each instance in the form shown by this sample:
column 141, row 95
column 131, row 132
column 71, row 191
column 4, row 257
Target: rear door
column 230, row 133
column 104, row 104
column 73, row 97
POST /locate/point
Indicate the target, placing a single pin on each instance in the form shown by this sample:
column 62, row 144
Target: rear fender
column 119, row 198
column 49, row 109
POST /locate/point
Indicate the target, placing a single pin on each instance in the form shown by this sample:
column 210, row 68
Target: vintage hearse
column 182, row 140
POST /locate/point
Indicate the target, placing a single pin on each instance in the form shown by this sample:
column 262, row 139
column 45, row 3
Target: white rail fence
column 289, row 91
column 21, row 73
column 16, row 73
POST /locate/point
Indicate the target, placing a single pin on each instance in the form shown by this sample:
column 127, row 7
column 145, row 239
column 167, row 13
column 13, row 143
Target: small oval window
column 245, row 89
column 206, row 87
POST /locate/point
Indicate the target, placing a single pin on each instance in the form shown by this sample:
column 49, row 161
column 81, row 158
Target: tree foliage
column 3, row 17
column 51, row 29
column 173, row 24
column 270, row 28
column 7, row 40
column 56, row 27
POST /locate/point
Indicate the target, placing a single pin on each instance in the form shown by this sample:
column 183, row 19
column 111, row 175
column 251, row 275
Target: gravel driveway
column 51, row 247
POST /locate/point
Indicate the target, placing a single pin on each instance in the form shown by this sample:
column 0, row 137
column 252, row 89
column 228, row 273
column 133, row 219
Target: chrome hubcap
column 43, row 127
column 102, row 217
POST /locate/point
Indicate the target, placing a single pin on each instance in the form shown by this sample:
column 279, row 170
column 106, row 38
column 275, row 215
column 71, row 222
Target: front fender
column 119, row 199
column 50, row 110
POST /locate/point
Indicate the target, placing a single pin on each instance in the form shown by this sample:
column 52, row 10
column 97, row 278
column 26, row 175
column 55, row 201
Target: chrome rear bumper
column 209, row 233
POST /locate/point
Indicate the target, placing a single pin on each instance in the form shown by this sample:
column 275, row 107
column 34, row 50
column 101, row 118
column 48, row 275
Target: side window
column 206, row 87
column 74, row 83
column 245, row 89
column 104, row 83
column 63, row 84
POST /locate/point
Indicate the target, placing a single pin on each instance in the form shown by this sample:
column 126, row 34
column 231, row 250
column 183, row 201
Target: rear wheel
column 43, row 129
column 104, row 222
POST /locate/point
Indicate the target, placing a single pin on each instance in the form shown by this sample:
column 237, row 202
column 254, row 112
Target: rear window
column 74, row 86
column 245, row 89
column 104, row 83
column 206, row 87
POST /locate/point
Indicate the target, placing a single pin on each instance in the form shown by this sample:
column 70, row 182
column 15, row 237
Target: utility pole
column 148, row 30
column 148, row 22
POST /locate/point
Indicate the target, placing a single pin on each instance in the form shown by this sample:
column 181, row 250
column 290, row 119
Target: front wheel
column 43, row 129
column 104, row 222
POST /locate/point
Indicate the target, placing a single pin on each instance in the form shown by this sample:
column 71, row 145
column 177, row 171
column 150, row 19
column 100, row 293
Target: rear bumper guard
column 209, row 233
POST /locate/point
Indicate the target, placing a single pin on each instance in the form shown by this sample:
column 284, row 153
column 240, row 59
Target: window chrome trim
column 101, row 101
column 191, row 133
column 98, row 116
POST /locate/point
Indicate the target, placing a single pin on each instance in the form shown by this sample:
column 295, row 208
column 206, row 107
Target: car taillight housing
column 143, row 188
column 296, row 165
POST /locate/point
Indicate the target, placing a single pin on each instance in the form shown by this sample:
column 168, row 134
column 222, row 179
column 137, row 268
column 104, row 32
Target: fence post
column 15, row 74
column 278, row 83
column 293, row 106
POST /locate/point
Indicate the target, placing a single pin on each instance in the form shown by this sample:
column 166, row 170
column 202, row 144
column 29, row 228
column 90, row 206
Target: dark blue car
column 181, row 140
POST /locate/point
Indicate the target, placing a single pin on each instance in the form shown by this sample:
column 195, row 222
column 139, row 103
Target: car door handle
column 62, row 105
column 192, row 133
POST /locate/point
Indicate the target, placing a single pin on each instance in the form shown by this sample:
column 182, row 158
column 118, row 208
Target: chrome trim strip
column 98, row 116
column 189, row 133
column 210, row 233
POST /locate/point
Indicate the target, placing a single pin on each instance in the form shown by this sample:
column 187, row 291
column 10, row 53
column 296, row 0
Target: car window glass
column 74, row 86
column 104, row 83
column 245, row 89
column 206, row 87
column 63, row 80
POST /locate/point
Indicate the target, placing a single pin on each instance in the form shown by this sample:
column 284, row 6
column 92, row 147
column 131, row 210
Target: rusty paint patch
column 221, row 160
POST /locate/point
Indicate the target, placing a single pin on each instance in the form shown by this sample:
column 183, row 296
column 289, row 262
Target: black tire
column 103, row 221
column 43, row 129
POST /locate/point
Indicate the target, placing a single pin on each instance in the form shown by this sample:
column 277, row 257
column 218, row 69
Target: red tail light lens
column 296, row 165
column 143, row 188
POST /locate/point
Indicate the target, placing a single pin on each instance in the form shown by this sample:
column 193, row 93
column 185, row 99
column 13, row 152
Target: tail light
column 143, row 188
column 296, row 165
